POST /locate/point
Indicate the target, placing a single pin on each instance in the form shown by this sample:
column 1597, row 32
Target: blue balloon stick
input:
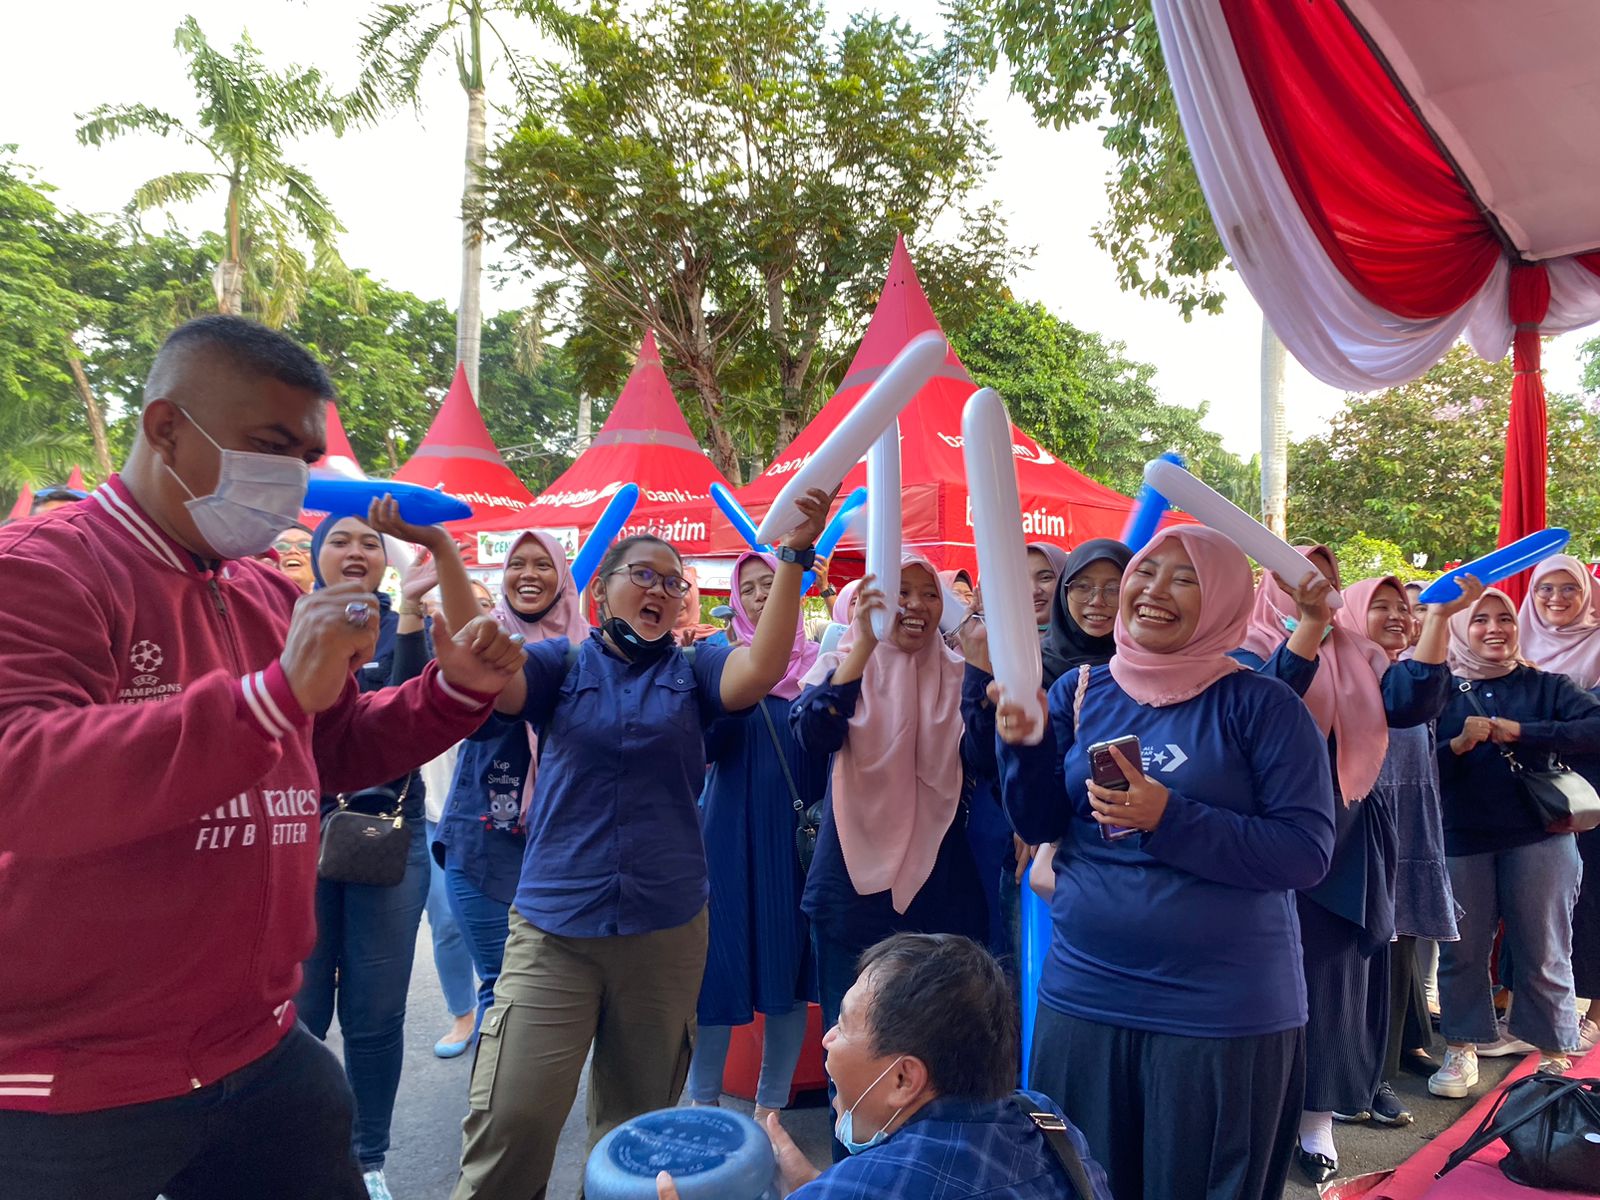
column 1149, row 507
column 353, row 497
column 615, row 516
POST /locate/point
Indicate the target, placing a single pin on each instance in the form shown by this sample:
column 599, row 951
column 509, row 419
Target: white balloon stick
column 1002, row 552
column 1209, row 507
column 883, row 524
column 843, row 448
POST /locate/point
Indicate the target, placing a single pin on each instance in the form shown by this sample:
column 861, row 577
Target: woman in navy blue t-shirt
column 1172, row 1007
column 607, row 941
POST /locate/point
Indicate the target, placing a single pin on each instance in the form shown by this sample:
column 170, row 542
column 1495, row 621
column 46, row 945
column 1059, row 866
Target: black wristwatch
column 804, row 559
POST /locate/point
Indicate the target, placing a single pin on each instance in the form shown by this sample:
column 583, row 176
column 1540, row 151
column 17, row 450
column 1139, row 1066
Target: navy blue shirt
column 961, row 1150
column 481, row 826
column 951, row 901
column 1483, row 807
column 1189, row 929
column 613, row 829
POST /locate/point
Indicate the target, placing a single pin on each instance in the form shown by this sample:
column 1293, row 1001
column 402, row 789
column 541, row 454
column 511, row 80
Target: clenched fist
column 325, row 644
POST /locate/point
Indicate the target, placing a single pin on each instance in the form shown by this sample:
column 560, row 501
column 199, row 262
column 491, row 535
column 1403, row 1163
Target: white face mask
column 257, row 497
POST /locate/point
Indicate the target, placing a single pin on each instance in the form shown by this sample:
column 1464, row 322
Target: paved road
column 427, row 1125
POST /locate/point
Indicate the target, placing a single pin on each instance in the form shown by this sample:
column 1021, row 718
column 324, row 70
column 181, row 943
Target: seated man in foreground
column 923, row 1060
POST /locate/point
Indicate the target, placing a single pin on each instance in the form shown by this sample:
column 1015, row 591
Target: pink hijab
column 564, row 618
column 1358, row 600
column 897, row 778
column 804, row 652
column 1465, row 662
column 1344, row 698
column 1572, row 650
column 1161, row 680
column 844, row 604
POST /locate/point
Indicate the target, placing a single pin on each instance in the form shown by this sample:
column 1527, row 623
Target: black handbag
column 1562, row 800
column 364, row 846
column 807, row 821
column 1551, row 1128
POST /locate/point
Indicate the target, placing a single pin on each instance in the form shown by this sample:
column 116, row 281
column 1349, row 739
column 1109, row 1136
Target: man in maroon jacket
column 170, row 712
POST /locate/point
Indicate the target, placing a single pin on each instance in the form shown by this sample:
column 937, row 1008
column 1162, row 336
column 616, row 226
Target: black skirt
column 1169, row 1116
column 1347, row 995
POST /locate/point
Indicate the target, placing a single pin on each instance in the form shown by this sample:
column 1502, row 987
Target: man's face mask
column 256, row 497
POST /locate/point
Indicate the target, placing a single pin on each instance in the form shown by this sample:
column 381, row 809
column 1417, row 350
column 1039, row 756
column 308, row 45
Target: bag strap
column 1077, row 696
column 1054, row 1130
column 1490, row 1131
column 783, row 759
column 1466, row 689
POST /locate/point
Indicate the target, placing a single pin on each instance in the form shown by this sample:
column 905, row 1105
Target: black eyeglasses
column 647, row 577
column 1084, row 590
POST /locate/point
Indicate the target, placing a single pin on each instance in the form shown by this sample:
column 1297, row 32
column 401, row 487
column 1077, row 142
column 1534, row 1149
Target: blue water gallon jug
column 712, row 1154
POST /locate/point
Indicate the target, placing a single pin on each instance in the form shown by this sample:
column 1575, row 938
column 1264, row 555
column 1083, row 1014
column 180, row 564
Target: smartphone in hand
column 1103, row 769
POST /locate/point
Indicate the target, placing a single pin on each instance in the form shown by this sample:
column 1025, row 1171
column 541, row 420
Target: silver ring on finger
column 357, row 613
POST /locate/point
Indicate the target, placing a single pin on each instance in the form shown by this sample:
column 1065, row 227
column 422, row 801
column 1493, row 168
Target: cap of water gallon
column 711, row 1153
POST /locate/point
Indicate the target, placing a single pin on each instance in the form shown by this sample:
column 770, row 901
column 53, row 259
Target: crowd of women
column 670, row 827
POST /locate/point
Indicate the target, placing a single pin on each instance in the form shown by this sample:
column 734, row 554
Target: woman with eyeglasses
column 607, row 943
column 1505, row 865
column 1561, row 633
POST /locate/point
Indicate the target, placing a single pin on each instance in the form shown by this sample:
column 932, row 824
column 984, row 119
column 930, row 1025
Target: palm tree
column 248, row 114
column 398, row 42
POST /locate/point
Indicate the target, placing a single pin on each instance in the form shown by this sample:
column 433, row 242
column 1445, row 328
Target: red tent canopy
column 1391, row 175
column 340, row 458
column 459, row 456
column 645, row 441
column 23, row 504
column 1059, row 504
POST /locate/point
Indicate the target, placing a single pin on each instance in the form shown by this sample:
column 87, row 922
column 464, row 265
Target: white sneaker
column 1505, row 1045
column 1458, row 1076
column 377, row 1186
column 1588, row 1035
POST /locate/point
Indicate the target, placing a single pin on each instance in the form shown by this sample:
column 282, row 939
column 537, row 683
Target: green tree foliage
column 1086, row 402
column 1077, row 61
column 1362, row 557
column 1420, row 465
column 732, row 176
column 248, row 115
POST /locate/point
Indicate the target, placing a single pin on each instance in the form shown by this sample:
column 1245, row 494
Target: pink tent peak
column 340, row 455
column 75, row 480
column 1059, row 504
column 23, row 504
column 645, row 440
column 459, row 455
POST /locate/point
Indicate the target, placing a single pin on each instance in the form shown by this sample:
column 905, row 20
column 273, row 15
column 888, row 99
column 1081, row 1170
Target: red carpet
column 1479, row 1178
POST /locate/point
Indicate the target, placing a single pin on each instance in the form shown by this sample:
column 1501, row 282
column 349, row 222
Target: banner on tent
column 493, row 545
column 1038, row 522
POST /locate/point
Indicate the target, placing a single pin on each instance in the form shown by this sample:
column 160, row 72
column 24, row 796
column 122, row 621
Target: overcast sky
column 397, row 187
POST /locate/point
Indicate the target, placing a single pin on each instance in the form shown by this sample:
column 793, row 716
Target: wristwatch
column 804, row 559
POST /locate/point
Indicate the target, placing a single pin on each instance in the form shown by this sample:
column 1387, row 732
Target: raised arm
column 1033, row 786
column 754, row 670
column 442, row 565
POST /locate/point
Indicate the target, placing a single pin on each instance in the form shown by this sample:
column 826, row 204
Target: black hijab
column 1066, row 645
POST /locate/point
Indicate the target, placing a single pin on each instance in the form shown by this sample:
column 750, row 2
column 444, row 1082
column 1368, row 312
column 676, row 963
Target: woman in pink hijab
column 1505, row 865
column 758, row 787
column 1347, row 920
column 1172, row 1007
column 480, row 840
column 892, row 854
column 1561, row 632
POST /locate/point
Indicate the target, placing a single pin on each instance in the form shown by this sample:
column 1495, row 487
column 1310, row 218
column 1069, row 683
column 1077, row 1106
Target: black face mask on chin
column 634, row 648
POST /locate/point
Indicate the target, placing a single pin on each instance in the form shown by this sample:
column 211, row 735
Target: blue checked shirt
column 960, row 1150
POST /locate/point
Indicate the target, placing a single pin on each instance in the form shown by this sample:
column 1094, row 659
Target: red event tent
column 645, row 441
column 1059, row 504
column 23, row 504
column 340, row 456
column 459, row 456
column 1391, row 175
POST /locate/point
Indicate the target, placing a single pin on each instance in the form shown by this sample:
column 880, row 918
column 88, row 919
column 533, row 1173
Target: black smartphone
column 1103, row 769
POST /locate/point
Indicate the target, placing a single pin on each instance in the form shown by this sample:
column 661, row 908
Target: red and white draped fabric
column 1392, row 175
